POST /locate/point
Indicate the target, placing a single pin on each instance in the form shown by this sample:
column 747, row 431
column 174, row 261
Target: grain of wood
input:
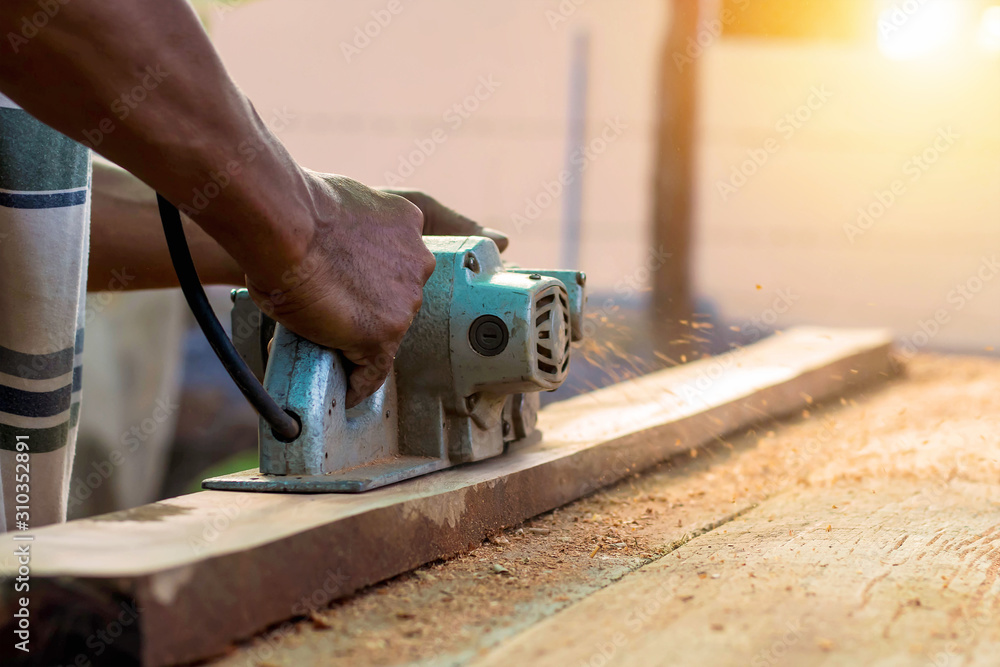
column 903, row 576
column 885, row 552
column 249, row 560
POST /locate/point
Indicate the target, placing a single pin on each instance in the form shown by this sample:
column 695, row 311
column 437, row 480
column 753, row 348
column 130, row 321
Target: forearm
column 127, row 246
column 192, row 123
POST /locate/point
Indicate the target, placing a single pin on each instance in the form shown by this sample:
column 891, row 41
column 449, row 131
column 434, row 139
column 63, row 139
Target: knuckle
column 396, row 329
column 380, row 367
column 411, row 213
column 418, row 301
column 429, row 265
column 418, row 197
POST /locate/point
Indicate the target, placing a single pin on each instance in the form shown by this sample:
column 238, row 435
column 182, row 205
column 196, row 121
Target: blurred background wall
column 372, row 112
column 360, row 103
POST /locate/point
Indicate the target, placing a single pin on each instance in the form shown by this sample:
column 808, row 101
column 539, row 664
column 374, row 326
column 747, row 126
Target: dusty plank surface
column 446, row 612
column 885, row 552
column 904, row 475
column 903, row 578
column 248, row 560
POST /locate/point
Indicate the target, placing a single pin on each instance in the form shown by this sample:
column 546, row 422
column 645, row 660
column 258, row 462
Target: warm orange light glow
column 989, row 30
column 915, row 28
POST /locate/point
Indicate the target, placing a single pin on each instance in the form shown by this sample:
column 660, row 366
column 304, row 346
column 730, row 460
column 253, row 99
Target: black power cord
column 283, row 425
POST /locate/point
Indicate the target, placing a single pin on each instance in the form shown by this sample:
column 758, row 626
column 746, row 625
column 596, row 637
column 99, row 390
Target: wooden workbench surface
column 862, row 532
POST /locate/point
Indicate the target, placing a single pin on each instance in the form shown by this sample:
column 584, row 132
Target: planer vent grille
column 552, row 333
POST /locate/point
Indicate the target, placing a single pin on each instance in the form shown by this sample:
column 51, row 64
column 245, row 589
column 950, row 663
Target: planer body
column 463, row 387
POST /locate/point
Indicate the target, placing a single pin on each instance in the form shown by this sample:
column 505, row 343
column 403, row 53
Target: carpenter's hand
column 361, row 281
column 439, row 220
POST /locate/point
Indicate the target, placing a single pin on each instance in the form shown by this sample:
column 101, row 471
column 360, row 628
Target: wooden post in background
column 673, row 195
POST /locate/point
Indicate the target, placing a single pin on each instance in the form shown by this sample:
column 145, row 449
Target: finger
column 363, row 382
column 447, row 222
column 498, row 237
column 367, row 371
column 440, row 220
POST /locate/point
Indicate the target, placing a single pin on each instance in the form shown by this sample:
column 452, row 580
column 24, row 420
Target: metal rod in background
column 572, row 217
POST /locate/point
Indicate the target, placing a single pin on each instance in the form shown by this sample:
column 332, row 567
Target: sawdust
column 450, row 612
column 153, row 512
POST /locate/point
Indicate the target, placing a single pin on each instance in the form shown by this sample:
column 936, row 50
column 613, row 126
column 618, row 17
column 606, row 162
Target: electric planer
column 463, row 386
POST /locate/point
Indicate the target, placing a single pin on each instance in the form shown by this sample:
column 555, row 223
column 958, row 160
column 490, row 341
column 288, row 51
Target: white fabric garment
column 44, row 239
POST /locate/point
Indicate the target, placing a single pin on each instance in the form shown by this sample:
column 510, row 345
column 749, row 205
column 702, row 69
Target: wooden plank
column 937, row 426
column 884, row 552
column 902, row 577
column 246, row 561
